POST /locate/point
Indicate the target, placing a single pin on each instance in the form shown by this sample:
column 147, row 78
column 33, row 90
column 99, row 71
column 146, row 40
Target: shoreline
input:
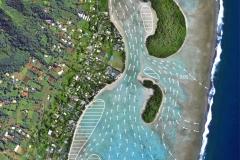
column 214, row 43
column 108, row 86
column 149, row 95
column 140, row 77
column 211, row 85
column 156, row 28
column 116, row 82
column 206, row 74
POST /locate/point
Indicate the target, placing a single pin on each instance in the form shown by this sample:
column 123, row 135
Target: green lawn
column 171, row 29
column 34, row 85
column 11, row 114
column 24, row 71
column 30, row 114
column 117, row 62
column 36, row 95
column 2, row 156
column 23, row 102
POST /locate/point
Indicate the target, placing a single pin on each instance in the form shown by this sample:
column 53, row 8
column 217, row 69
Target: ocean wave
column 217, row 59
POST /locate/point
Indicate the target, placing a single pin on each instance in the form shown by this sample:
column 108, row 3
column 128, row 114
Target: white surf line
column 212, row 91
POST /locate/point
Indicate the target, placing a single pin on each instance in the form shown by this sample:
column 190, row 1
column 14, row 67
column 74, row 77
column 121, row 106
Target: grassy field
column 2, row 156
column 171, row 29
column 153, row 103
column 117, row 62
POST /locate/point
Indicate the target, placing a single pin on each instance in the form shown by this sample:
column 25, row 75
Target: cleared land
column 117, row 61
column 171, row 29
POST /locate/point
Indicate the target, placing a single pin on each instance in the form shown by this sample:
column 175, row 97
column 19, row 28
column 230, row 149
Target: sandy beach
column 119, row 78
column 197, row 53
column 149, row 93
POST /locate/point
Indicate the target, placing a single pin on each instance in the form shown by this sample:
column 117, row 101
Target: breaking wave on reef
column 217, row 59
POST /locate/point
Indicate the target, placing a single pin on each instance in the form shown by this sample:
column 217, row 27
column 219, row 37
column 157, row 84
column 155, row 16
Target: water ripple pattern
column 121, row 133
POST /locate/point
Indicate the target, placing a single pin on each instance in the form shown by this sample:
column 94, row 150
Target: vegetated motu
column 171, row 29
column 153, row 103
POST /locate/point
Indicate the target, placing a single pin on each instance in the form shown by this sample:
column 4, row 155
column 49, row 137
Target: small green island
column 168, row 38
column 153, row 103
column 171, row 29
column 55, row 55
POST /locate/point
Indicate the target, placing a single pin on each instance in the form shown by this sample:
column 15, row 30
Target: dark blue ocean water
column 223, row 139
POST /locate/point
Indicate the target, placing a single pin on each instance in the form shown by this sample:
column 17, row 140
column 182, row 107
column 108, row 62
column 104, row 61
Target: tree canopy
column 20, row 40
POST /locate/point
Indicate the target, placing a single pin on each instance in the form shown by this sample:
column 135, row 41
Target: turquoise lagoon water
column 112, row 127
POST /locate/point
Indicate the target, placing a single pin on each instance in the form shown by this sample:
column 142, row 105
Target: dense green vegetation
column 153, row 104
column 21, row 30
column 61, row 61
column 171, row 29
column 103, row 4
